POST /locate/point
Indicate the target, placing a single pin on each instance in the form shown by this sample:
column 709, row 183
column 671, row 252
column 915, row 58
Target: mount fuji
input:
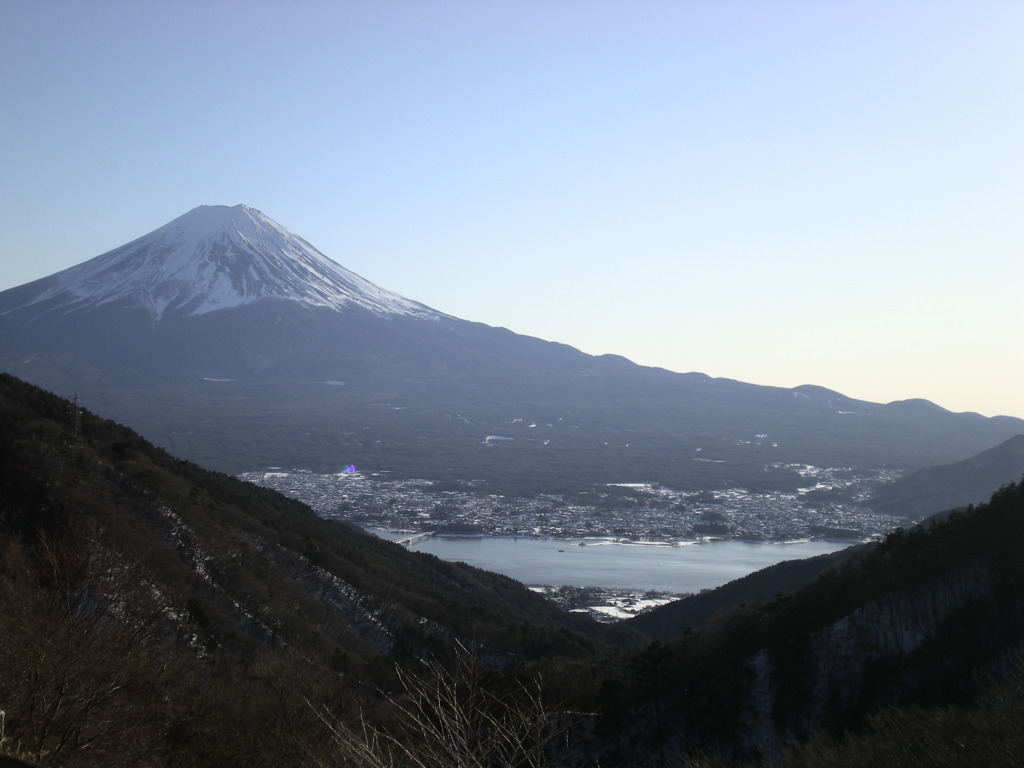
column 213, row 257
column 231, row 341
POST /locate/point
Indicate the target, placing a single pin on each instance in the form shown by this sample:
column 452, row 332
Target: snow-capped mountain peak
column 215, row 257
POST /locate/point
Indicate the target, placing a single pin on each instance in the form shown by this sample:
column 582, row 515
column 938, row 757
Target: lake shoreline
column 622, row 541
column 674, row 568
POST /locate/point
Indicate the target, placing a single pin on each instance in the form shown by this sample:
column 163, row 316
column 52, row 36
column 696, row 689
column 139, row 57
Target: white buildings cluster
column 829, row 507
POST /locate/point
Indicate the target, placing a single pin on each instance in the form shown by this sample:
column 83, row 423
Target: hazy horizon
column 785, row 194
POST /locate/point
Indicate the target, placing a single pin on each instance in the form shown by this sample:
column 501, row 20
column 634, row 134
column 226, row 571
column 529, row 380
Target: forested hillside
column 157, row 614
column 935, row 489
column 922, row 629
column 693, row 611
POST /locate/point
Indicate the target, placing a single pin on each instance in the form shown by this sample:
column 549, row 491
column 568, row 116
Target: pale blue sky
column 778, row 192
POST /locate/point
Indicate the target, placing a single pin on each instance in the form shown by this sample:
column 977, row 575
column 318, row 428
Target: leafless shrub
column 452, row 718
column 79, row 683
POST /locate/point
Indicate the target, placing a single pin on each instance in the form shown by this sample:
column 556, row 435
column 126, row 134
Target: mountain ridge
column 159, row 614
column 971, row 481
column 320, row 383
column 234, row 542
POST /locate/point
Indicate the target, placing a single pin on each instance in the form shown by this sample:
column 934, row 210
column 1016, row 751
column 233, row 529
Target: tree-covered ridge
column 949, row 486
column 929, row 617
column 136, row 590
column 184, row 522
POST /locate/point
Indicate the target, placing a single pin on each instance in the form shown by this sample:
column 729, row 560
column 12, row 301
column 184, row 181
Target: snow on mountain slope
column 211, row 258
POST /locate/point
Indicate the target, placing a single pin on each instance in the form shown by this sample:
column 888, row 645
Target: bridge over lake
column 408, row 541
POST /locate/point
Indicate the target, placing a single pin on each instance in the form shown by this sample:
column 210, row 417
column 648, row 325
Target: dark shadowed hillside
column 920, row 629
column 132, row 582
column 672, row 619
column 935, row 489
column 157, row 614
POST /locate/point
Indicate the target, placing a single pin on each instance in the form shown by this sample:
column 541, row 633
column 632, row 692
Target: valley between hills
column 158, row 614
column 832, row 507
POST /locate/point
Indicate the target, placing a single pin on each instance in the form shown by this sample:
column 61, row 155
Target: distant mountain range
column 231, row 341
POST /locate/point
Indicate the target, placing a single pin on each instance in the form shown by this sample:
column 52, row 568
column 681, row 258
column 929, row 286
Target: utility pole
column 76, row 416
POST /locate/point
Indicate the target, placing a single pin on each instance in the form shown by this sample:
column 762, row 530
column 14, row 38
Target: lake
column 606, row 563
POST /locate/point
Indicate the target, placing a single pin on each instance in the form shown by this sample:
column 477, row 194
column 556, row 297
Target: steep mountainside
column 116, row 554
column 230, row 341
column 694, row 611
column 229, row 546
column 930, row 618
